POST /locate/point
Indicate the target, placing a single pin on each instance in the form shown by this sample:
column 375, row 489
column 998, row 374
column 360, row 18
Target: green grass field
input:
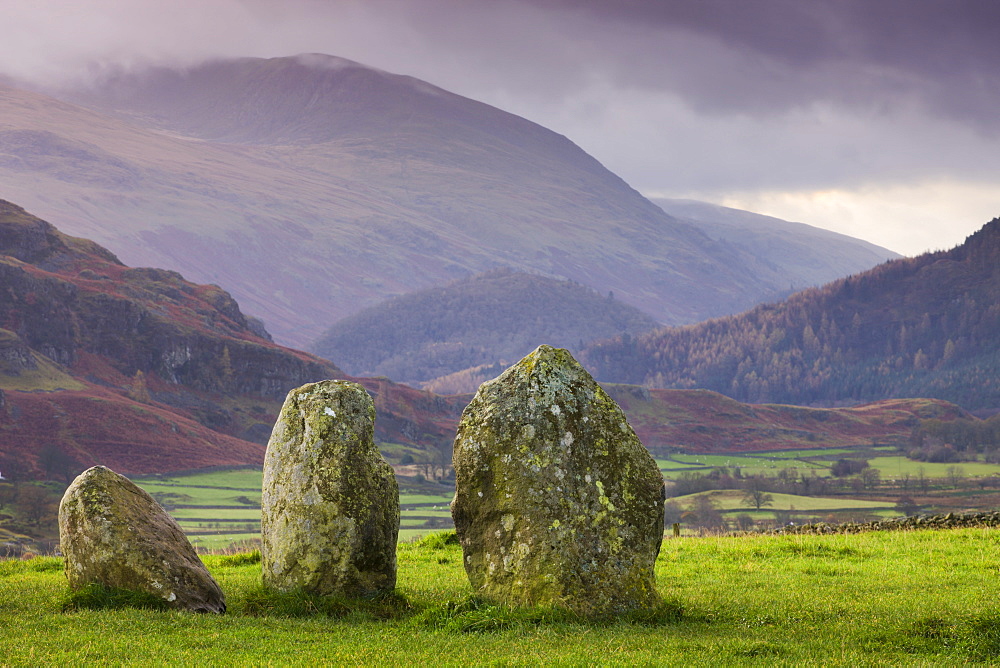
column 733, row 500
column 895, row 467
column 219, row 508
column 213, row 508
column 894, row 598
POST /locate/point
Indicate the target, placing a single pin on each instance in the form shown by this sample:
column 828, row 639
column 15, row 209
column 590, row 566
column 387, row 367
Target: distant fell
column 804, row 255
column 927, row 326
column 137, row 369
column 313, row 187
column 493, row 318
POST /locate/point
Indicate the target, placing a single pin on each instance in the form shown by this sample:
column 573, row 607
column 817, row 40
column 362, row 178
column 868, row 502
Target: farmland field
column 218, row 508
column 733, row 500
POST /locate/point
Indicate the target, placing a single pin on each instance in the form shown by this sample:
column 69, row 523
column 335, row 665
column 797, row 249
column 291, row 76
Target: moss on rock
column 330, row 502
column 114, row 534
column 556, row 502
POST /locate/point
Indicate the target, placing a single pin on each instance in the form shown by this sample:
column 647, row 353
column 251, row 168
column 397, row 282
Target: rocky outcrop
column 65, row 297
column 556, row 501
column 330, row 502
column 113, row 533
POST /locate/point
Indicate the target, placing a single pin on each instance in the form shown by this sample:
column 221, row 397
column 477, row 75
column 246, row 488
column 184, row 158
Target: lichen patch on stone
column 555, row 502
column 330, row 502
column 113, row 533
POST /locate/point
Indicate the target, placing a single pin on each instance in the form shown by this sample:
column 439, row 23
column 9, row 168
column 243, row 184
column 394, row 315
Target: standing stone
column 556, row 500
column 330, row 503
column 113, row 533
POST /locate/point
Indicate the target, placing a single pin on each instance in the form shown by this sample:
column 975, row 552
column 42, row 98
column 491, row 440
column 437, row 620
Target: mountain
column 495, row 318
column 145, row 372
column 809, row 256
column 916, row 327
column 134, row 368
column 313, row 187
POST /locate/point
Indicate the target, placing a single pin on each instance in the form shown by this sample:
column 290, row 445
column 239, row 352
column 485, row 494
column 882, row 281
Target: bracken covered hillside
column 134, row 368
column 918, row 327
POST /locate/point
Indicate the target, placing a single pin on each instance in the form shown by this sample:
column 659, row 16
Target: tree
column 8, row 492
column 705, row 514
column 755, row 496
column 672, row 513
column 955, row 475
column 35, row 504
column 58, row 464
column 870, row 478
column 907, row 506
column 137, row 390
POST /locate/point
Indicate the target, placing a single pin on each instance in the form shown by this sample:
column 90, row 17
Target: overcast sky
column 876, row 118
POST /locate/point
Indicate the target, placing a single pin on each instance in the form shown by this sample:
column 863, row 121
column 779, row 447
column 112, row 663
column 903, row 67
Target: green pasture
column 248, row 479
column 733, row 500
column 749, row 463
column 226, row 493
column 201, row 495
column 914, row 598
column 241, row 514
column 895, row 467
column 673, row 465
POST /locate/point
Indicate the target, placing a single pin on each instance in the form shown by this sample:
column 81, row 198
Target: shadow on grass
column 262, row 602
column 478, row 615
column 96, row 596
column 977, row 637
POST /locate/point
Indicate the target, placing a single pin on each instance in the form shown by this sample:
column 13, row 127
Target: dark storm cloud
column 945, row 53
column 706, row 98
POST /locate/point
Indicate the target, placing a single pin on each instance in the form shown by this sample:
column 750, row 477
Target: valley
column 480, row 260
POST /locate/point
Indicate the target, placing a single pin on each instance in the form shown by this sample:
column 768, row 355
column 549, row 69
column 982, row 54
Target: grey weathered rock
column 330, row 503
column 556, row 500
column 113, row 533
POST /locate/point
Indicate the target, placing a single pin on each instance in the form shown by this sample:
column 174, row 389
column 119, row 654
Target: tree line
column 915, row 327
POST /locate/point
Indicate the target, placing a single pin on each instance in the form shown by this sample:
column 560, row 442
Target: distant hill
column 313, row 187
column 495, row 318
column 703, row 421
column 921, row 327
column 809, row 256
column 142, row 371
column 145, row 372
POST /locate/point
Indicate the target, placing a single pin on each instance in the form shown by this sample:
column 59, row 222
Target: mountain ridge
column 416, row 187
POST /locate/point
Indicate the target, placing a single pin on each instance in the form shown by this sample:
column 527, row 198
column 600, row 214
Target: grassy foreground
column 894, row 598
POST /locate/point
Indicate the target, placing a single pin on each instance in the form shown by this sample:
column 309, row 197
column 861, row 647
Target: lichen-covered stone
column 556, row 500
column 330, row 502
column 113, row 533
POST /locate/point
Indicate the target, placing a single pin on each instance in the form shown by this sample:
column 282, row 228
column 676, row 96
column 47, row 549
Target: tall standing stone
column 330, row 502
column 556, row 500
column 113, row 533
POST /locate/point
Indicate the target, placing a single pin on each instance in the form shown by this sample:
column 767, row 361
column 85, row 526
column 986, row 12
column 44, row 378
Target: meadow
column 881, row 598
column 218, row 509
column 221, row 509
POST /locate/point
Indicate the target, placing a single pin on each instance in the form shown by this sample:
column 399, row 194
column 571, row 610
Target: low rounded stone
column 113, row 533
column 330, row 501
column 556, row 500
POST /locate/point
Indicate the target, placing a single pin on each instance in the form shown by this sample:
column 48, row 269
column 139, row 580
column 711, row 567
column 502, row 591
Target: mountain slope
column 808, row 256
column 134, row 368
column 313, row 187
column 919, row 327
column 496, row 317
